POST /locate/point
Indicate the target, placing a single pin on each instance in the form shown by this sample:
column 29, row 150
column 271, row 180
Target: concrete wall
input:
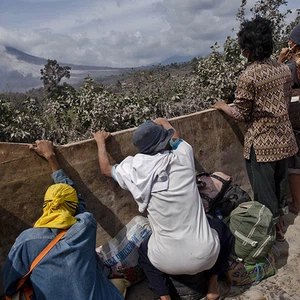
column 24, row 176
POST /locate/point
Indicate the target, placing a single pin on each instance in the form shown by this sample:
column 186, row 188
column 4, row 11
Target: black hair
column 256, row 36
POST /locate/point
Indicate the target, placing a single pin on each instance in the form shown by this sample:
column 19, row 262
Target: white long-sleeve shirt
column 182, row 241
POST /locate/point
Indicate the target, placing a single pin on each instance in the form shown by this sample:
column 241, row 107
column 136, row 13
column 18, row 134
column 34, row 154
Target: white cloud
column 119, row 33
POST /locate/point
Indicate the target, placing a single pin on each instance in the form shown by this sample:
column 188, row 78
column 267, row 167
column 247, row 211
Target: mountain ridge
column 42, row 61
column 24, row 74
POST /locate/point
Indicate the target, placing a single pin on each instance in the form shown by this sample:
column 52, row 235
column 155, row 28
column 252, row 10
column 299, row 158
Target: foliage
column 11, row 123
column 62, row 114
column 272, row 10
column 52, row 74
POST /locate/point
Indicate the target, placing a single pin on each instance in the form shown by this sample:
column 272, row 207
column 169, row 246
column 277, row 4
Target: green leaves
column 52, row 74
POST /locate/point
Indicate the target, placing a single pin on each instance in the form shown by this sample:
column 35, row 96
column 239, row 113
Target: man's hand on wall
column 45, row 149
column 101, row 136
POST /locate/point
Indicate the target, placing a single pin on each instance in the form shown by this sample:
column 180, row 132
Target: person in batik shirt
column 261, row 100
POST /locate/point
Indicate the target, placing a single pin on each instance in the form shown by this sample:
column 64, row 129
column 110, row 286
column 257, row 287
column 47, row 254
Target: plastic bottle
column 218, row 214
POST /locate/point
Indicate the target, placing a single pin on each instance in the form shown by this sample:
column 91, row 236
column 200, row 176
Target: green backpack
column 252, row 225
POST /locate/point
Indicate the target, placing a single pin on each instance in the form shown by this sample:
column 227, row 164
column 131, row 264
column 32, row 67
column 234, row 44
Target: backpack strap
column 219, row 178
column 41, row 256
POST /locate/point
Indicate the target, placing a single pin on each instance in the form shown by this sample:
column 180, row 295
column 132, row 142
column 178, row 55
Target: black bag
column 231, row 199
column 212, row 187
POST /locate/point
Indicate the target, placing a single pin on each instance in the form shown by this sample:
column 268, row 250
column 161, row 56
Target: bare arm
column 100, row 137
column 284, row 55
column 221, row 105
column 45, row 149
column 165, row 123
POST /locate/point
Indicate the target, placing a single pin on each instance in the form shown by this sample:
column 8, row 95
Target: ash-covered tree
column 277, row 12
column 65, row 115
column 52, row 74
column 217, row 74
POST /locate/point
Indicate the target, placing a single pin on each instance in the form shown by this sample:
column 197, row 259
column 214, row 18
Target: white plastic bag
column 121, row 253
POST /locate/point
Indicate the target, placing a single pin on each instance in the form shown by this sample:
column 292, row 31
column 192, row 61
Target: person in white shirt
column 161, row 178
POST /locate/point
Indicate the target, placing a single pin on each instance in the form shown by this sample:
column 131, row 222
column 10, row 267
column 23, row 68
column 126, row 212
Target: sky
column 117, row 33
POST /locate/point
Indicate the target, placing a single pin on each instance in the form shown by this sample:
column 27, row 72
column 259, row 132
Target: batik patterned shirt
column 261, row 100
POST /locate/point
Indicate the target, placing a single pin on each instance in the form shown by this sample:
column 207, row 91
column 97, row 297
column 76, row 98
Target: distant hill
column 20, row 71
column 42, row 61
column 25, row 57
column 176, row 59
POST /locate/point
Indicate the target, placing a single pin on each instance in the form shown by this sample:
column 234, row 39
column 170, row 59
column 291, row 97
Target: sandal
column 280, row 236
column 279, row 230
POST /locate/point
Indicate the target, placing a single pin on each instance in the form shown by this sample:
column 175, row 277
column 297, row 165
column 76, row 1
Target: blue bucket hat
column 295, row 34
column 151, row 138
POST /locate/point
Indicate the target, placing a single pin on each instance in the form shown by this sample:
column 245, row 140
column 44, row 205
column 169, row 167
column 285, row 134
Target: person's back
column 70, row 270
column 182, row 241
column 267, row 84
column 161, row 178
column 261, row 100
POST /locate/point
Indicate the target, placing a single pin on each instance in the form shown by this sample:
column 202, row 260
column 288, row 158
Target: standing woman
column 261, row 101
column 291, row 57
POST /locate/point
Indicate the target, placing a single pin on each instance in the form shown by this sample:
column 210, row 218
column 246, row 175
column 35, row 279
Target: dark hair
column 256, row 36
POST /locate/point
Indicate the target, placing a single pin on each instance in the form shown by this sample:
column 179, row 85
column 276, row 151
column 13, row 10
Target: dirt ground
column 284, row 285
